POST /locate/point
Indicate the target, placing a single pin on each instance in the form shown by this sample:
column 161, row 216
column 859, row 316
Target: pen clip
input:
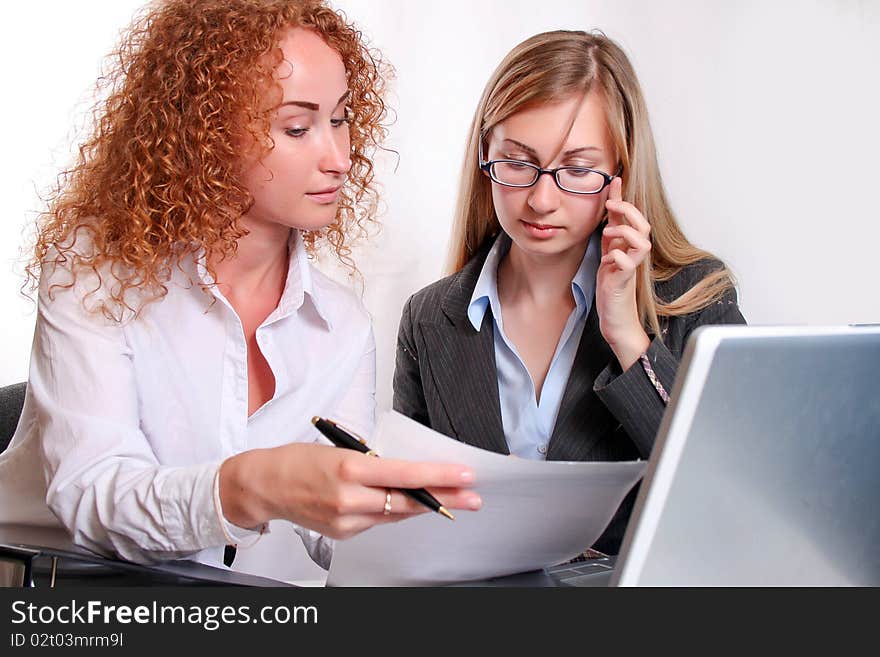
column 363, row 442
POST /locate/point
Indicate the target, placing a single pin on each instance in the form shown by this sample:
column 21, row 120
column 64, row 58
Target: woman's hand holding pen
column 336, row 492
column 626, row 242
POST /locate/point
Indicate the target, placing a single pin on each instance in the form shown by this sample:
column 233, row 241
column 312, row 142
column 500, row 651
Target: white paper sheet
column 535, row 514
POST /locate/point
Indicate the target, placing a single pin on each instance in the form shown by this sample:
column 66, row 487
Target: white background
column 765, row 113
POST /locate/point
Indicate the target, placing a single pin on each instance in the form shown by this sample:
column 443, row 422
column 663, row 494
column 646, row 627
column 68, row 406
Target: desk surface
column 77, row 566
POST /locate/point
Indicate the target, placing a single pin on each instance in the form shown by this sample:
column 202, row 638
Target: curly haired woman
column 183, row 341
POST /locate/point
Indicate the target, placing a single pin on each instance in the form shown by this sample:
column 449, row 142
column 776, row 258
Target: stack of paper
column 535, row 514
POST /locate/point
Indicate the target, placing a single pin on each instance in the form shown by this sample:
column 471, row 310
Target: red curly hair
column 158, row 180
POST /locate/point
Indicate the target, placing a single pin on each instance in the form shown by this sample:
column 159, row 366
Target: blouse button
column 542, row 449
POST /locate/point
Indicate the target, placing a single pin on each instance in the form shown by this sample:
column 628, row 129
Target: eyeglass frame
column 487, row 167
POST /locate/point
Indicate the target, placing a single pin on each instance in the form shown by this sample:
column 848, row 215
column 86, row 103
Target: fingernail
column 467, row 476
column 474, row 502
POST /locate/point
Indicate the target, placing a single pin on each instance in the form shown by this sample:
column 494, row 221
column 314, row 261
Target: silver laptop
column 766, row 469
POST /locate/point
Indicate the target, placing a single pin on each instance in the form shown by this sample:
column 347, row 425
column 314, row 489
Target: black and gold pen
column 341, row 438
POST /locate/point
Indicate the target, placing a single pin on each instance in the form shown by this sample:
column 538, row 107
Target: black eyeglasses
column 516, row 173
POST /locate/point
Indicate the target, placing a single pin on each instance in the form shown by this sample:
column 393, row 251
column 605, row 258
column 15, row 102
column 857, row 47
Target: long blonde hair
column 551, row 67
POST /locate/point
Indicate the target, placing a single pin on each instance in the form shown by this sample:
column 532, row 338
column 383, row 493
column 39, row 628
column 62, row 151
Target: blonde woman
column 183, row 339
column 573, row 289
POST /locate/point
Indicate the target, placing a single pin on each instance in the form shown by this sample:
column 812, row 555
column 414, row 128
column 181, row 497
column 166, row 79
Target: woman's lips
column 325, row 196
column 541, row 231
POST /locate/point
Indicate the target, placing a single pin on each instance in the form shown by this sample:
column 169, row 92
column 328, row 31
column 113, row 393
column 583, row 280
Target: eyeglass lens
column 572, row 179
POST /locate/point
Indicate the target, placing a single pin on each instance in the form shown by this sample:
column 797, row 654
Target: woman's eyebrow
column 315, row 106
column 342, row 98
column 302, row 103
column 573, row 151
column 519, row 144
column 576, row 151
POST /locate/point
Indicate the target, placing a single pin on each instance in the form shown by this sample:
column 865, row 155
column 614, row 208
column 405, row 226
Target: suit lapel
column 463, row 368
column 582, row 416
column 462, row 363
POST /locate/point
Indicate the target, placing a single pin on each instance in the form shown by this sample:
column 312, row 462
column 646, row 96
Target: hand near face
column 625, row 245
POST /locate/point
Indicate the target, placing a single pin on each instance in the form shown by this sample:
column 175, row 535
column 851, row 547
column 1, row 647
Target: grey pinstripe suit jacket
column 445, row 378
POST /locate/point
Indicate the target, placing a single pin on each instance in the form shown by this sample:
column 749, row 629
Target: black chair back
column 11, row 403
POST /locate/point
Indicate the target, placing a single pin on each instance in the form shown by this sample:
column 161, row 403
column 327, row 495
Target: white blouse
column 125, row 424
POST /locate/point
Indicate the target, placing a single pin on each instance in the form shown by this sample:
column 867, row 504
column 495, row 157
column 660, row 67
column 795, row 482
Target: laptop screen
column 766, row 469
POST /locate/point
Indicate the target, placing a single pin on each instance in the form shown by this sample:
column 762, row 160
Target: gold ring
column 386, row 510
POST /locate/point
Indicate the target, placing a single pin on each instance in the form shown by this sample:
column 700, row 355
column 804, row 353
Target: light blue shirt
column 528, row 424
